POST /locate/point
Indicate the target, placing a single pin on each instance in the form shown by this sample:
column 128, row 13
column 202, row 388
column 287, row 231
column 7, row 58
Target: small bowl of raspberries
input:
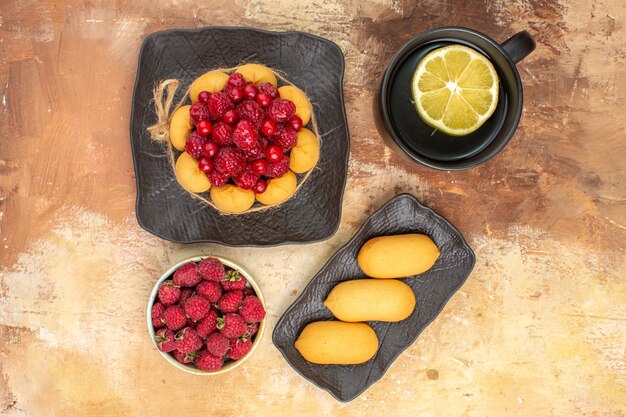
column 206, row 315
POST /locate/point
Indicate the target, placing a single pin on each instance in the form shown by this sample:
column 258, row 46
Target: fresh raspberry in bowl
column 210, row 326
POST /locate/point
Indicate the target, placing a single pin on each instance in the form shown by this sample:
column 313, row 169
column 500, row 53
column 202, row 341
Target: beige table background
column 537, row 330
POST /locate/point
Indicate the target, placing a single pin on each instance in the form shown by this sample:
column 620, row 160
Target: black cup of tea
column 418, row 141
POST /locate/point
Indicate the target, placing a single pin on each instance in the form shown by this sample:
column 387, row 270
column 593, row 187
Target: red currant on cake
column 210, row 149
column 203, row 96
column 260, row 186
column 203, row 128
column 259, row 166
column 268, row 127
column 263, row 99
column 249, row 91
column 296, row 123
column 274, row 153
column 205, row 165
column 235, row 94
column 230, row 117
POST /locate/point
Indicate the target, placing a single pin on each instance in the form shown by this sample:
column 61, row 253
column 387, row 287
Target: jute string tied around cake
column 163, row 98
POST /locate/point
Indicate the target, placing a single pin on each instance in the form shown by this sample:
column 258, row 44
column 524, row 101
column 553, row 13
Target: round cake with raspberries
column 206, row 315
column 243, row 138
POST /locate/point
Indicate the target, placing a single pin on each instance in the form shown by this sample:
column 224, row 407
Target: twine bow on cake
column 160, row 131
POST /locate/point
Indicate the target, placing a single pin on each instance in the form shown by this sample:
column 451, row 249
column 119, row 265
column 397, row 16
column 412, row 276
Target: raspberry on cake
column 269, row 89
column 246, row 179
column 218, row 179
column 246, row 135
column 222, row 135
column 230, row 161
column 236, row 80
column 195, row 145
column 281, row 110
column 251, row 111
column 284, row 136
column 198, row 112
column 257, row 151
column 217, row 105
column 278, row 169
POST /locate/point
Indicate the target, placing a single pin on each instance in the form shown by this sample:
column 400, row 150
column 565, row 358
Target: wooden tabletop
column 539, row 329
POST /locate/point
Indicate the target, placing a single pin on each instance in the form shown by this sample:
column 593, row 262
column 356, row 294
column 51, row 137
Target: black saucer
column 431, row 147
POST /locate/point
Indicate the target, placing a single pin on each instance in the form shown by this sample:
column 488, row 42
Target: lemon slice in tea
column 455, row 89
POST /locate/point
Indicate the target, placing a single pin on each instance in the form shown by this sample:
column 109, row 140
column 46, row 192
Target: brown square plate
column 402, row 214
column 313, row 64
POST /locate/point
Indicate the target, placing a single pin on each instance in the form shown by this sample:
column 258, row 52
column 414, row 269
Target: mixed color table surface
column 539, row 328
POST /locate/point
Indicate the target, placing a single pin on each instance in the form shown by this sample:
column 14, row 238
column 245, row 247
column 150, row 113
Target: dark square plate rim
column 234, row 29
column 392, row 201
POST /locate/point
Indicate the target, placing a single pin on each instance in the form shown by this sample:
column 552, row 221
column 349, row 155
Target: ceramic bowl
column 228, row 365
